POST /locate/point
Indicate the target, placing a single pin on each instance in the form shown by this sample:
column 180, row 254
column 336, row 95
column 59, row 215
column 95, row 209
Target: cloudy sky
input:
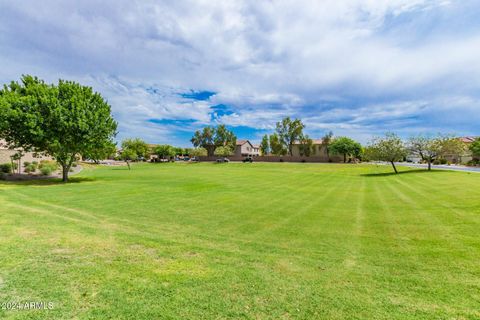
column 356, row 67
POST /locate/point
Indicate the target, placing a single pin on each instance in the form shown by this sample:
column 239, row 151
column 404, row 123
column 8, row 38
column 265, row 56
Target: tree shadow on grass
column 45, row 181
column 386, row 174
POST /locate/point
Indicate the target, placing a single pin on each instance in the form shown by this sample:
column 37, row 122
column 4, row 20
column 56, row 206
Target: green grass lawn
column 253, row 241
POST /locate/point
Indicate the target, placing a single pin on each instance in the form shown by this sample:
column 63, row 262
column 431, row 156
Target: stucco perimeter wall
column 278, row 159
column 5, row 156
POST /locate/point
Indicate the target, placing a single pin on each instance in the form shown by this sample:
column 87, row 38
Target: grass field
column 254, row 241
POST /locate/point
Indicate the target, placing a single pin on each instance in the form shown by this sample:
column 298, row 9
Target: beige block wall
column 29, row 156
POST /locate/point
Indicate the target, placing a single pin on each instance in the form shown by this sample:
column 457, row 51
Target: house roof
column 468, row 139
column 242, row 142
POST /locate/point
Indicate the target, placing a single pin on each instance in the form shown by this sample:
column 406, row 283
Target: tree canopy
column 289, row 131
column 265, row 146
column 211, row 138
column 306, row 146
column 64, row 121
column 224, row 151
column 326, row 141
column 165, row 151
column 276, row 146
column 475, row 147
column 346, row 147
column 388, row 148
column 133, row 150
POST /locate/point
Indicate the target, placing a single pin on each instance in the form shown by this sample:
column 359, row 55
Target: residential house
column 319, row 150
column 245, row 148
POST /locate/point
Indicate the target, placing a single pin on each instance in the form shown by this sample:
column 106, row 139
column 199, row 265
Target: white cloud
column 265, row 59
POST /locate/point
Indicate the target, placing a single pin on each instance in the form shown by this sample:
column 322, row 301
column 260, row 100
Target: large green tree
column 211, row 138
column 388, row 148
column 265, row 146
column 289, row 131
column 276, row 146
column 165, row 151
column 133, row 150
column 346, row 147
column 65, row 121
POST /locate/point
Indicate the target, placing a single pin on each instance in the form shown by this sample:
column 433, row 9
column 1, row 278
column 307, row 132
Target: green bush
column 443, row 161
column 473, row 162
column 46, row 171
column 26, row 164
column 30, row 168
column 6, row 168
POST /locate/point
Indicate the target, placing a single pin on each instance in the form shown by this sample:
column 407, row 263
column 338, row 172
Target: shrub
column 6, row 168
column 30, row 168
column 48, row 163
column 26, row 164
column 74, row 165
column 473, row 162
column 443, row 161
column 46, row 171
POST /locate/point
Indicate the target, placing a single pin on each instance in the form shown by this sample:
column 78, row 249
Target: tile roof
column 468, row 139
column 241, row 142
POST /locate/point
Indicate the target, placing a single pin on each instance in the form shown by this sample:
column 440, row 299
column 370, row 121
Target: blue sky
column 356, row 67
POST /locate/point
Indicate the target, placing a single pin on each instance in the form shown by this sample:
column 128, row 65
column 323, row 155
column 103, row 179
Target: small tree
column 451, row 146
column 64, row 121
column 128, row 155
column 211, row 138
column 198, row 152
column 389, row 148
column 346, row 147
column 102, row 152
column 223, row 151
column 475, row 148
column 427, row 148
column 326, row 141
column 276, row 146
column 265, row 146
column 288, row 132
column 306, row 146
column 138, row 146
column 165, row 151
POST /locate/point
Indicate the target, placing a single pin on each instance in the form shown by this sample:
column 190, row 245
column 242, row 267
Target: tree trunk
column 394, row 168
column 65, row 169
column 128, row 164
column 344, row 158
column 211, row 150
column 429, row 165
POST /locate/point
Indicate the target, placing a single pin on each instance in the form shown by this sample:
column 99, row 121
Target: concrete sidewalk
column 441, row 167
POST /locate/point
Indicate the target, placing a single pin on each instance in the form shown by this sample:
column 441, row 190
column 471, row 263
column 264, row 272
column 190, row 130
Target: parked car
column 248, row 159
column 223, row 160
column 194, row 159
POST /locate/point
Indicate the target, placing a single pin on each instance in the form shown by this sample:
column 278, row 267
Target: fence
column 316, row 159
